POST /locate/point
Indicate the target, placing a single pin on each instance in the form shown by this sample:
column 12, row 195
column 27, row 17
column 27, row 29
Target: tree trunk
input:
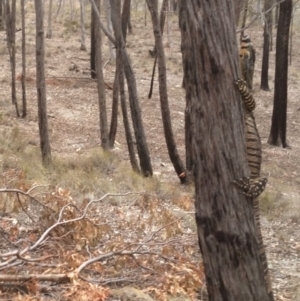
column 11, row 45
column 82, row 26
column 100, row 83
column 125, row 17
column 41, row 86
column 291, row 37
column 93, row 44
column 23, row 80
column 142, row 147
column 49, row 29
column 1, row 15
column 186, row 53
column 264, row 84
column 112, row 51
column 162, row 19
column 278, row 128
column 115, row 102
column 276, row 14
column 238, row 6
column 163, row 93
column 129, row 140
column 226, row 231
column 72, row 11
column 244, row 16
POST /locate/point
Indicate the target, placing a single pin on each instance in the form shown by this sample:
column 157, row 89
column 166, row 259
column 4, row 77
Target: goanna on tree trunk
column 226, row 231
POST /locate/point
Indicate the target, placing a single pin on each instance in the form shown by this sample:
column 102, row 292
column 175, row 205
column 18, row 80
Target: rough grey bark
column 264, row 83
column 141, row 143
column 226, row 231
column 278, row 128
column 163, row 94
column 41, row 85
column 23, row 80
column 100, row 83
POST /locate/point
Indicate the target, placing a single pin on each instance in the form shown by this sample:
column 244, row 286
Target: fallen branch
column 41, row 277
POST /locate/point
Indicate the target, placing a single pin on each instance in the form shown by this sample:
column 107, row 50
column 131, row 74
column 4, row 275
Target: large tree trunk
column 264, row 84
column 142, row 147
column 100, row 83
column 41, row 86
column 163, row 93
column 278, row 129
column 226, row 231
column 23, row 81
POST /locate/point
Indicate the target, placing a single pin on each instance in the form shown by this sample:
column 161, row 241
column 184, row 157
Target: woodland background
column 142, row 229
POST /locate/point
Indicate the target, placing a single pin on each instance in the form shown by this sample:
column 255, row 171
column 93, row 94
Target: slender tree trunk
column 1, row 15
column 276, row 14
column 163, row 92
column 278, row 128
column 58, row 9
column 11, row 45
column 226, row 231
column 125, row 17
column 291, row 37
column 93, row 44
column 112, row 51
column 264, row 85
column 115, row 102
column 41, row 86
column 72, row 11
column 238, row 6
column 82, row 26
column 49, row 29
column 129, row 140
column 162, row 19
column 142, row 147
column 23, row 81
column 100, row 83
column 186, row 53
column 244, row 15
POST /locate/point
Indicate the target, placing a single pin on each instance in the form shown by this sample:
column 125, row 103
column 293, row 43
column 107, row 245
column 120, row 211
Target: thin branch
column 106, row 32
column 259, row 15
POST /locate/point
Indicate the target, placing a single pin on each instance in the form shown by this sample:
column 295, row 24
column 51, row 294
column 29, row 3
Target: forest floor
column 84, row 173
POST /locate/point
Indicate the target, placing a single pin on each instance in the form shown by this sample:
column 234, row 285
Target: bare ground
column 74, row 125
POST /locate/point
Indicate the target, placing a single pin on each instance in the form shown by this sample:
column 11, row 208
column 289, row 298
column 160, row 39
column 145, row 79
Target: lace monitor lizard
column 247, row 60
column 252, row 187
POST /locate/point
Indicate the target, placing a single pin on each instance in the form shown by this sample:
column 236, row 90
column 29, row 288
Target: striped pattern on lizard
column 252, row 187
